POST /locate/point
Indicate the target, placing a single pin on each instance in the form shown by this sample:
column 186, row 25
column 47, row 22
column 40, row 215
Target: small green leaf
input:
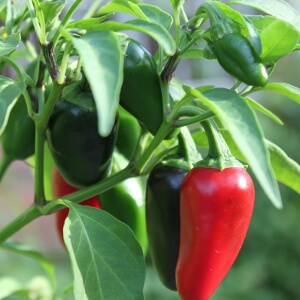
column 277, row 8
column 123, row 7
column 235, row 114
column 284, row 89
column 107, row 260
column 278, row 39
column 9, row 44
column 26, row 251
column 254, row 104
column 87, row 23
column 154, row 30
column 52, row 11
column 103, row 67
column 10, row 90
column 157, row 15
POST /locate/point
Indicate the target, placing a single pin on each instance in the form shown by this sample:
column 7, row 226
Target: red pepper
column 216, row 204
column 62, row 188
column 216, row 208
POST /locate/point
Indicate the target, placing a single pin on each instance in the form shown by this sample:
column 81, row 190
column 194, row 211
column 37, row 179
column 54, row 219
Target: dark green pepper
column 238, row 57
column 126, row 202
column 141, row 93
column 82, row 156
column 163, row 220
column 128, row 133
column 18, row 137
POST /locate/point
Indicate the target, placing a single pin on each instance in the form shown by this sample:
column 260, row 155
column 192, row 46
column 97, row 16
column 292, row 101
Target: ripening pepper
column 141, row 93
column 61, row 188
column 163, row 219
column 239, row 58
column 82, row 156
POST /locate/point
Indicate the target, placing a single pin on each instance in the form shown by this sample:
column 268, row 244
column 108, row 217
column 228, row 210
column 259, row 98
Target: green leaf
column 154, row 30
column 10, row 90
column 26, row 251
column 278, row 39
column 286, row 170
column 9, row 44
column 87, row 23
column 236, row 115
column 107, row 260
column 284, row 89
column 52, row 11
column 102, row 58
column 157, row 15
column 122, row 6
column 277, row 8
column 263, row 110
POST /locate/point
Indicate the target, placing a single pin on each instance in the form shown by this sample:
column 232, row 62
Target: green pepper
column 18, row 137
column 128, row 133
column 126, row 202
column 238, row 57
column 141, row 93
column 82, row 156
column 163, row 219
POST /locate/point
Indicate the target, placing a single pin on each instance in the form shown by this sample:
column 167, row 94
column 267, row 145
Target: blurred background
column 268, row 267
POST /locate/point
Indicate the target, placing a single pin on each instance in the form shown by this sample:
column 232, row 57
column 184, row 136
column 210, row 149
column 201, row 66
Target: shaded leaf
column 9, row 44
column 26, row 251
column 107, row 260
column 154, row 30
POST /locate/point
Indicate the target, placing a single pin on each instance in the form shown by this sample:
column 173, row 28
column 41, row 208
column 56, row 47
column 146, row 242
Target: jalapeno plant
column 114, row 116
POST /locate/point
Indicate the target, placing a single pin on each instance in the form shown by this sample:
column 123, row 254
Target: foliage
column 107, row 260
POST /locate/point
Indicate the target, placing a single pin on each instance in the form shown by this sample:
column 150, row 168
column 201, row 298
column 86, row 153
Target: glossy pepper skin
column 79, row 152
column 18, row 137
column 215, row 211
column 163, row 219
column 126, row 202
column 61, row 188
column 128, row 133
column 239, row 58
column 141, row 92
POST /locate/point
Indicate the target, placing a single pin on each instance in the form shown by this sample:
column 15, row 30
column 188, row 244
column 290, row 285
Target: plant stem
column 39, row 193
column 163, row 131
column 23, row 219
column 65, row 20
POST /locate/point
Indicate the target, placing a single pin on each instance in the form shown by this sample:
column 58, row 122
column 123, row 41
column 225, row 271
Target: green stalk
column 163, row 131
column 23, row 219
column 65, row 20
column 219, row 155
column 41, row 122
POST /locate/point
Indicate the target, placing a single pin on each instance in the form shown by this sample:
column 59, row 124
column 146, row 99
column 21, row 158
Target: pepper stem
column 219, row 155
